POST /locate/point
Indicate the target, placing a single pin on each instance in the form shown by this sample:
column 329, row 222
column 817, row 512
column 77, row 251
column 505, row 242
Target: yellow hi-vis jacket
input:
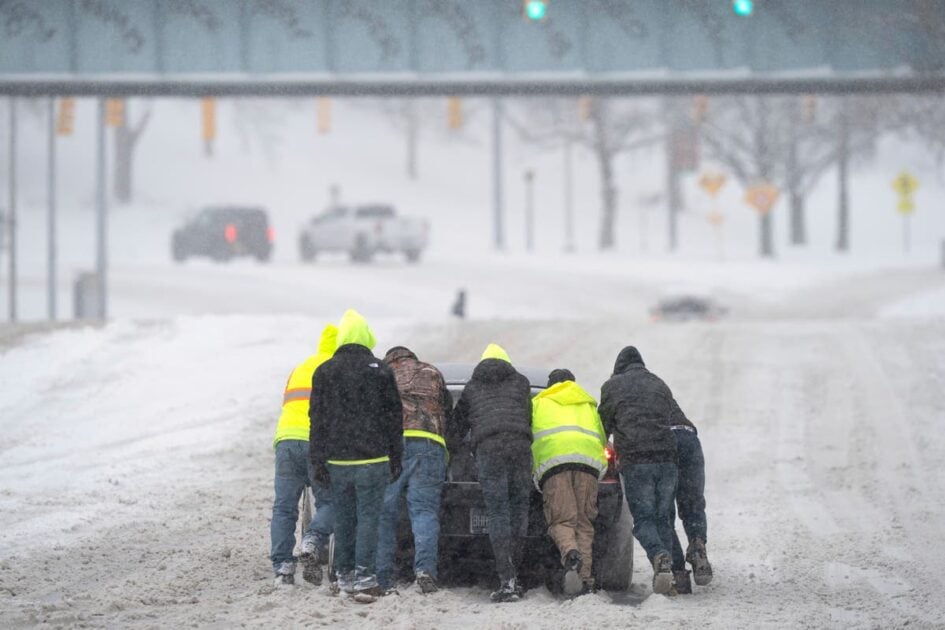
column 294, row 422
column 566, row 430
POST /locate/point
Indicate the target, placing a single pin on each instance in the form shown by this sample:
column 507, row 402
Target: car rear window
column 374, row 212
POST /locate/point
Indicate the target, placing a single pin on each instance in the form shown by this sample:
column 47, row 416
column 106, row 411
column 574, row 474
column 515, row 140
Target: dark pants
column 506, row 481
column 358, row 493
column 690, row 493
column 651, row 489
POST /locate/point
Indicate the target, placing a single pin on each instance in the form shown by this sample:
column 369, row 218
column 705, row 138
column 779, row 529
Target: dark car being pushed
column 223, row 232
column 465, row 554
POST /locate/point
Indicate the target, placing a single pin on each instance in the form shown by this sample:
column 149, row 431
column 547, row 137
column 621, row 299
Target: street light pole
column 51, row 218
column 11, row 219
column 568, row 198
column 529, row 211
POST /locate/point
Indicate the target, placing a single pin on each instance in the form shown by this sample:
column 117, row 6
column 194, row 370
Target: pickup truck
column 363, row 231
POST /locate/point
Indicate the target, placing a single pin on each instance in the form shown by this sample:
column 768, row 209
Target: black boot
column 682, row 583
column 696, row 556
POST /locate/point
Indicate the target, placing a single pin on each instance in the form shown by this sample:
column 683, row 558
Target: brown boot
column 696, row 556
column 681, row 582
column 662, row 573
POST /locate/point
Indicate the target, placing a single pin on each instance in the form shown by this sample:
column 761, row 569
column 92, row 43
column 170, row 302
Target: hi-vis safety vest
column 293, row 422
column 566, row 430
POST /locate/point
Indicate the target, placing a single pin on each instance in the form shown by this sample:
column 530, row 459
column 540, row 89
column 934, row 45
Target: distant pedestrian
column 690, row 499
column 459, row 305
column 427, row 406
column 356, row 446
column 568, row 458
column 636, row 406
column 294, row 473
column 495, row 408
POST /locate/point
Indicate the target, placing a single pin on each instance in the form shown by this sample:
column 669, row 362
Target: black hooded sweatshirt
column 638, row 408
column 496, row 406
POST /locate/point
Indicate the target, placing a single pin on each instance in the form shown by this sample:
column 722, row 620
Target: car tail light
column 270, row 235
column 229, row 233
column 609, row 452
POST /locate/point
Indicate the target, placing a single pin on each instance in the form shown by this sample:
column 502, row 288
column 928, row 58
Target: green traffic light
column 536, row 9
column 743, row 8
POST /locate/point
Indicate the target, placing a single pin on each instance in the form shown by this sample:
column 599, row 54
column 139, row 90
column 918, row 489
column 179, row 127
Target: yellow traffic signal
column 208, row 110
column 700, row 108
column 324, row 114
column 115, row 112
column 65, row 120
column 454, row 108
column 584, row 107
column 810, row 108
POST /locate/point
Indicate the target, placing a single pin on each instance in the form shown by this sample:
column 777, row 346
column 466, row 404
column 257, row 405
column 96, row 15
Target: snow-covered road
column 136, row 467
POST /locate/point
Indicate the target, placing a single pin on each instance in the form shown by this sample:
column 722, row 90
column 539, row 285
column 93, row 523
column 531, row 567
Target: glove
column 395, row 469
column 322, row 478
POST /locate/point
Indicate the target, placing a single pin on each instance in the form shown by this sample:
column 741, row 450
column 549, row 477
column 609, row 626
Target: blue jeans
column 505, row 476
column 690, row 493
column 422, row 482
column 651, row 489
column 293, row 474
column 358, row 493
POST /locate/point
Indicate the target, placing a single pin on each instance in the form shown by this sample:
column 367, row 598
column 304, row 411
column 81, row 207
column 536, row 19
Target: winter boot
column 572, row 583
column 662, row 573
column 311, row 562
column 285, row 574
column 696, row 556
column 426, row 582
column 681, row 582
column 508, row 591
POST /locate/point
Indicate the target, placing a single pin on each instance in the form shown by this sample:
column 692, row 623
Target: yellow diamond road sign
column 905, row 206
column 712, row 182
column 905, row 183
column 762, row 197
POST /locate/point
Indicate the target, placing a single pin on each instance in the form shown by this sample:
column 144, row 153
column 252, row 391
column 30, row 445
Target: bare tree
column 604, row 126
column 126, row 140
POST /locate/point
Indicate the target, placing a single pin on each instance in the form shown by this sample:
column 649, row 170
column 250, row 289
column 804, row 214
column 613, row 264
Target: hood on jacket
column 353, row 328
column 495, row 351
column 567, row 393
column 328, row 342
column 493, row 369
column 628, row 357
column 560, row 375
column 398, row 353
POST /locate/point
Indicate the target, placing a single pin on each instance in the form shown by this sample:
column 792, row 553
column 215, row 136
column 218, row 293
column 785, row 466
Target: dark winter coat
column 426, row 400
column 678, row 418
column 495, row 406
column 637, row 407
column 355, row 409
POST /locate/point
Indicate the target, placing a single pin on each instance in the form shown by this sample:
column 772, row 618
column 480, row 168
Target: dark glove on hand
column 395, row 469
column 322, row 478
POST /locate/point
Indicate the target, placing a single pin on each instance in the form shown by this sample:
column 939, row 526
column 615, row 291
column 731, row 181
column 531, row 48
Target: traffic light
column 454, row 111
column 115, row 112
column 208, row 119
column 65, row 122
column 743, row 8
column 324, row 114
column 535, row 10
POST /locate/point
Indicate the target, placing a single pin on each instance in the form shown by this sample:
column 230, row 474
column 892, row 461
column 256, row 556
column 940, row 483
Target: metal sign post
column 497, row 174
column 11, row 217
column 101, row 208
column 529, row 211
column 905, row 185
column 51, row 207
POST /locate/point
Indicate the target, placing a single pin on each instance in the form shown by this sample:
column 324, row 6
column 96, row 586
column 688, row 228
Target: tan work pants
column 570, row 499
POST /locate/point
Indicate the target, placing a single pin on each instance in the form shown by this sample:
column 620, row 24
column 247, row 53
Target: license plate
column 477, row 521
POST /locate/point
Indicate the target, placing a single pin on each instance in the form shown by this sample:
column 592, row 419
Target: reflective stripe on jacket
column 566, row 430
column 294, row 422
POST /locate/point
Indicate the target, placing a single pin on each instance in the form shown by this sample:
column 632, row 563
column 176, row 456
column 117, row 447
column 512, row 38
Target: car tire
column 413, row 255
column 361, row 253
column 617, row 569
column 178, row 253
column 306, row 249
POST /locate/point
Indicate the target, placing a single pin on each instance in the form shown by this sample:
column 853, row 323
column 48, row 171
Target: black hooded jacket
column 355, row 409
column 496, row 406
column 638, row 408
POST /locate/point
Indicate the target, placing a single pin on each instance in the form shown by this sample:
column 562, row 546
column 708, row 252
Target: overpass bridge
column 464, row 47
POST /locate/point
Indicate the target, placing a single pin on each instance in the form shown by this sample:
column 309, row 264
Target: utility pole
column 11, row 219
column 568, row 197
column 51, row 206
column 499, row 238
column 411, row 111
column 101, row 215
column 529, row 211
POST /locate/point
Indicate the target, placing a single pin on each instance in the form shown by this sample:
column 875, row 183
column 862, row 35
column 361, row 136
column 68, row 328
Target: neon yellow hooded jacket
column 353, row 328
column 566, row 429
column 495, row 351
column 294, row 422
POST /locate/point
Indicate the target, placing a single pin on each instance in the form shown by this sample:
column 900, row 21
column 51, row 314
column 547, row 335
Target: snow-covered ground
column 135, row 457
column 136, row 467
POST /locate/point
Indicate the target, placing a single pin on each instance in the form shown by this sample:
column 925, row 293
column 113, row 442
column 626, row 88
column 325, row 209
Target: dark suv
column 224, row 232
column 465, row 554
